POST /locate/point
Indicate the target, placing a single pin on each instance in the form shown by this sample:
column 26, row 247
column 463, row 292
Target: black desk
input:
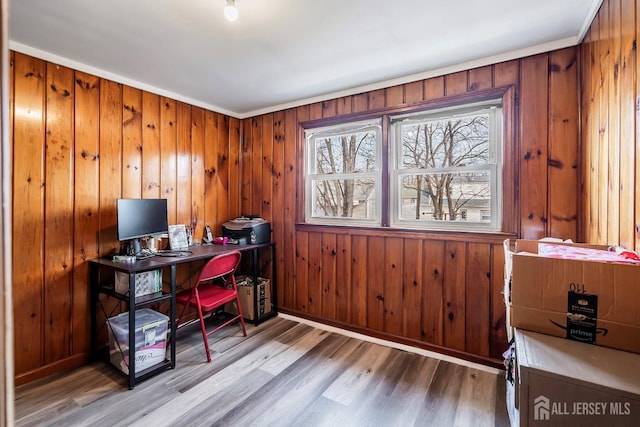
column 197, row 253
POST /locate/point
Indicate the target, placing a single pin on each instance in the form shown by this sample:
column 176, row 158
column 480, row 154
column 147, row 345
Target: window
column 343, row 179
column 445, row 168
column 435, row 169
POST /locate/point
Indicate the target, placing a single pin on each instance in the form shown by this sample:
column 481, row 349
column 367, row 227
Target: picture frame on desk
column 178, row 238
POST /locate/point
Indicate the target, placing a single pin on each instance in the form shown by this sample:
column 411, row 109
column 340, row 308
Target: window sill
column 466, row 236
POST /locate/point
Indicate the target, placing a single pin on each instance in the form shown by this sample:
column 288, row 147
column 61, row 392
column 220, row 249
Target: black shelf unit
column 133, row 304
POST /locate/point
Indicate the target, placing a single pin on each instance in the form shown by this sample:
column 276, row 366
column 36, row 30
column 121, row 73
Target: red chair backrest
column 220, row 266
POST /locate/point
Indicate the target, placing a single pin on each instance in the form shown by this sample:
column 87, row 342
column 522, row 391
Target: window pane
column 344, row 198
column 346, row 153
column 445, row 143
column 447, row 197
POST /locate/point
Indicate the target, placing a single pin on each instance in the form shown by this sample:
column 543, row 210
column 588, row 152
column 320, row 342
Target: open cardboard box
column 589, row 301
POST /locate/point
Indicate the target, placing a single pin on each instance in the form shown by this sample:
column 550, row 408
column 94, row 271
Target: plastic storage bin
column 150, row 339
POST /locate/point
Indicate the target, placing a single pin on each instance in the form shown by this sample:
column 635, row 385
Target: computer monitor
column 138, row 218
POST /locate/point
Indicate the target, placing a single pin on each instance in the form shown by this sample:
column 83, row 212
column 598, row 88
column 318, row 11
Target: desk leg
column 132, row 330
column 173, row 316
column 93, row 288
column 254, row 264
column 274, row 284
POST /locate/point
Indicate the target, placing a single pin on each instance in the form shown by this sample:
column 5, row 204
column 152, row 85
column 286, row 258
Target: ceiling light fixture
column 230, row 10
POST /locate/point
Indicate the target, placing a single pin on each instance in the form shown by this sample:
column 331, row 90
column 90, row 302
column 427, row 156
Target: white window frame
column 310, row 137
column 396, row 172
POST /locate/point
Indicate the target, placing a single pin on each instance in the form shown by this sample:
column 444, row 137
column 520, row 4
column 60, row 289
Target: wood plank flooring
column 284, row 373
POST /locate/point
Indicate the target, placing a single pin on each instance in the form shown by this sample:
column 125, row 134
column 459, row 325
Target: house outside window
column 343, row 179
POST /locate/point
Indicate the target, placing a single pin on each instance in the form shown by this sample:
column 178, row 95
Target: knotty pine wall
column 79, row 143
column 437, row 290
column 611, row 150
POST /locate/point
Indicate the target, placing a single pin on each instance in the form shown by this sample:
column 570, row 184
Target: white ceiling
column 283, row 53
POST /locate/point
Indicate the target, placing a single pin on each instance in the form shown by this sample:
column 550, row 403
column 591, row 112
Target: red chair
column 208, row 294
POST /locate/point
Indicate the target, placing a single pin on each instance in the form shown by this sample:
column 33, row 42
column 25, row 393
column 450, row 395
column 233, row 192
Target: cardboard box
column 563, row 383
column 148, row 282
column 150, row 343
column 589, row 301
column 245, row 293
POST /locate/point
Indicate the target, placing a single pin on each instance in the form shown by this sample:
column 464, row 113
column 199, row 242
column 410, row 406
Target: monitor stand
column 135, row 247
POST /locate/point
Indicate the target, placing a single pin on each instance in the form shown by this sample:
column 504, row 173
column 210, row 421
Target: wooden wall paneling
column 224, row 170
column 329, row 267
column 151, row 146
column 266, row 208
column 257, row 186
column 456, row 83
column 183, row 165
column 361, row 101
column 454, row 295
column 110, row 179
column 86, row 202
column 110, row 161
column 285, row 293
column 480, row 78
column 393, row 285
column 180, row 131
column 234, row 167
column 394, row 96
column 343, row 278
column 343, row 105
column 585, row 123
column 169, row 157
column 302, row 272
column 628, row 72
column 246, row 166
column 414, row 92
column 594, row 132
column 197, row 172
column 563, row 144
column 376, row 264
column 510, row 156
column 315, row 111
column 412, row 289
column 434, row 88
column 613, row 99
column 497, row 331
column 369, row 101
column 59, row 179
column 211, row 171
column 131, row 142
column 603, row 149
column 506, row 73
column 329, row 108
column 433, row 313
column 28, row 212
column 533, row 146
column 636, row 93
column 315, row 272
column 477, row 299
column 293, row 148
column 359, row 280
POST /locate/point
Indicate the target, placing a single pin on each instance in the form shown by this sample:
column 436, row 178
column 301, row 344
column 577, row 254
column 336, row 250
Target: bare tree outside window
column 451, row 153
column 344, row 168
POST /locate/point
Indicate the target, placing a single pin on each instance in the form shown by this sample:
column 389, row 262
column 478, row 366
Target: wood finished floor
column 284, row 373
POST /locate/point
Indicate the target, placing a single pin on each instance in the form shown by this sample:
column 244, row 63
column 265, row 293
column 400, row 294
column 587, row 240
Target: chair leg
column 244, row 329
column 204, row 334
